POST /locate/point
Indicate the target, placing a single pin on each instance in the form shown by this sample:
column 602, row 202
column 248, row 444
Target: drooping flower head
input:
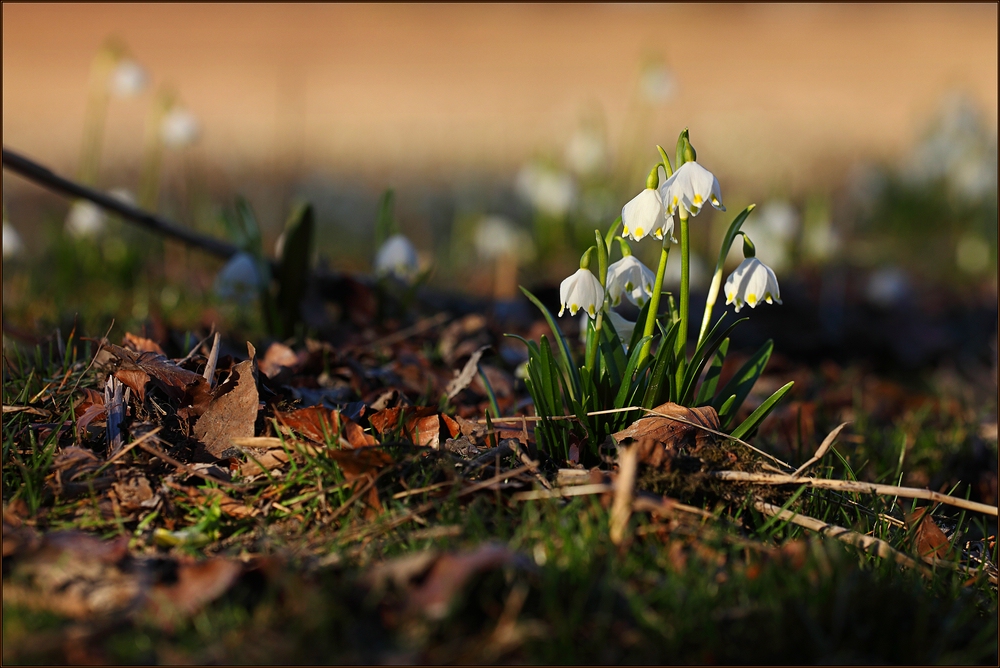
column 582, row 290
column 624, row 328
column 631, row 277
column 239, row 280
column 643, row 214
column 689, row 188
column 179, row 128
column 85, row 219
column 128, row 78
column 397, row 257
column 753, row 282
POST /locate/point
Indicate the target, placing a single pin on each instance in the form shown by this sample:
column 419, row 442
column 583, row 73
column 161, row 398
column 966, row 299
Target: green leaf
column 743, row 382
column 293, row 266
column 567, row 360
column 727, row 405
column 701, row 356
column 762, row 412
column 627, row 383
column 637, row 331
column 385, row 223
column 711, row 381
column 612, row 353
column 661, row 378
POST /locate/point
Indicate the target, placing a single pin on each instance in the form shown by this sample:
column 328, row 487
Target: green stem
column 654, row 300
column 592, row 350
column 95, row 115
column 685, row 287
column 713, row 294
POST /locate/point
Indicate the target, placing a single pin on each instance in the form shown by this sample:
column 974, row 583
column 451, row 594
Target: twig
column 621, row 507
column 527, row 461
column 431, row 488
column 416, row 328
column 121, row 453
column 560, row 492
column 188, row 469
column 821, row 450
column 197, row 346
column 853, row 486
column 495, row 479
column 213, row 360
column 867, row 543
column 45, row 177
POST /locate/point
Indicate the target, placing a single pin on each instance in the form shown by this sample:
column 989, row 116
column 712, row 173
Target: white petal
column 642, row 214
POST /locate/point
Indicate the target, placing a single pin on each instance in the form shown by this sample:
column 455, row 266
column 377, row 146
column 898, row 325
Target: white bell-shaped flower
column 644, row 214
column 85, row 219
column 582, row 290
column 12, row 244
column 128, row 79
column 753, row 282
column 631, row 277
column 179, row 128
column 397, row 257
column 690, row 187
column 497, row 236
column 623, row 328
column 240, row 280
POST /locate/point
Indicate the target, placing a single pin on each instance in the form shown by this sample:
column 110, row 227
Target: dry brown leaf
column 133, row 492
column 315, row 422
column 421, row 425
column 196, row 585
column 231, row 414
column 277, row 357
column 142, row 345
column 138, row 369
column 928, row 539
column 451, row 572
column 660, row 439
column 360, row 461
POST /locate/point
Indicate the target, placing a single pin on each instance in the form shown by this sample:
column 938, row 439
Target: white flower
column 85, row 219
column 240, row 280
column 644, row 214
column 585, row 152
column 12, row 244
column 128, row 79
column 658, row 84
column 690, row 187
column 397, row 257
column 497, row 236
column 632, row 277
column 753, row 282
column 549, row 191
column 582, row 290
column 623, row 327
column 179, row 128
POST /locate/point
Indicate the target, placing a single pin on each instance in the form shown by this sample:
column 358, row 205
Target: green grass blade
column 762, row 412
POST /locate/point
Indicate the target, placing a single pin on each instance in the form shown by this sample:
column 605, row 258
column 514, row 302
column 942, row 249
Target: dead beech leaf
column 196, row 585
column 451, row 425
column 360, row 461
column 422, row 426
column 277, row 357
column 928, row 539
column 142, row 345
column 673, row 432
column 133, row 492
column 138, row 369
column 466, row 375
column 450, row 574
column 316, row 423
column 228, row 504
column 357, row 436
column 231, row 414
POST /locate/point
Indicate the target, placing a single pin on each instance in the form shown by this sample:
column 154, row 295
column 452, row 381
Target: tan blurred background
column 775, row 93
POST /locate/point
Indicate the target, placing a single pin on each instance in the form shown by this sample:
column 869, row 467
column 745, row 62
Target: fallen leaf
column 231, row 414
column 197, row 583
column 360, row 461
column 467, row 374
column 136, row 370
column 133, row 492
column 142, row 345
column 660, row 440
column 451, row 573
column 276, row 358
column 421, row 425
column 928, row 539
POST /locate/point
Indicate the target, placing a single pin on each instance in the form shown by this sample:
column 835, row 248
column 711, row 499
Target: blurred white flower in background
column 753, row 282
column 12, row 244
column 624, row 328
column 585, row 152
column 498, row 236
column 657, row 84
column 128, row 79
column 179, row 128
column 773, row 228
column 550, row 191
column 397, row 257
column 240, row 280
column 960, row 148
column 85, row 219
column 887, row 287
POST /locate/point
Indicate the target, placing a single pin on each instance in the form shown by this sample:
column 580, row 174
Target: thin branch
column 48, row 179
column 853, row 486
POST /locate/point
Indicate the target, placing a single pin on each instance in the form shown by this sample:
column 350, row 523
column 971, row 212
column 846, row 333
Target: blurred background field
column 865, row 134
